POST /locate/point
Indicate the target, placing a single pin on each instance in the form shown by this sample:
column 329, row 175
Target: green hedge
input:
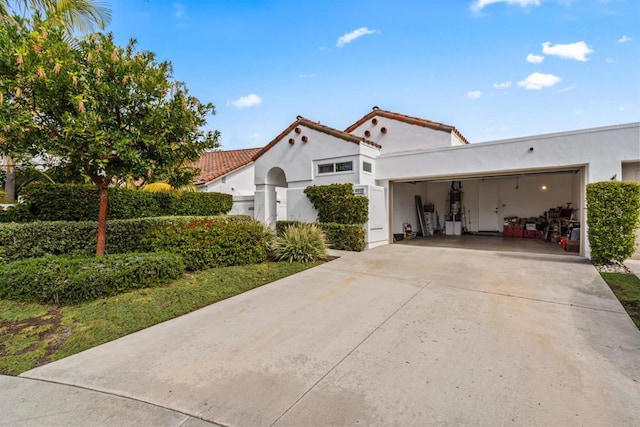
column 208, row 243
column 71, row 202
column 68, row 280
column 344, row 237
column 613, row 216
column 35, row 239
column 337, row 203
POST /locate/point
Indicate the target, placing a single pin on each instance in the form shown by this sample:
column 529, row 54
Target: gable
column 398, row 132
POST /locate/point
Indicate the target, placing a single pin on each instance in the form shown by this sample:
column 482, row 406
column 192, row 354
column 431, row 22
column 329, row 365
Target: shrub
column 300, row 243
column 210, row 243
column 281, row 226
column 337, row 203
column 35, row 239
column 613, row 215
column 71, row 202
column 64, row 280
column 345, row 237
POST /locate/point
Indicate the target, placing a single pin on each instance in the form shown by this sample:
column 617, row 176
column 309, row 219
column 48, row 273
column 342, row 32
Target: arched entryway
column 267, row 196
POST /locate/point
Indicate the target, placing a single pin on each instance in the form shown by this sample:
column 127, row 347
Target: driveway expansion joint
column 539, row 300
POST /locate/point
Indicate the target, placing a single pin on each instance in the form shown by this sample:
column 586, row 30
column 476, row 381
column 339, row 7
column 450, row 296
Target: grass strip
column 35, row 334
column 626, row 287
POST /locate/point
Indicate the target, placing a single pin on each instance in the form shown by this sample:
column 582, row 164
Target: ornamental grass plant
column 300, row 243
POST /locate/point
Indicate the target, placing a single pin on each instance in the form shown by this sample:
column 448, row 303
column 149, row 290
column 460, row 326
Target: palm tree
column 80, row 15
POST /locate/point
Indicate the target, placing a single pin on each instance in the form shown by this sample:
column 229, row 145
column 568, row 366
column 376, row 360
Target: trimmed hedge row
column 343, row 237
column 71, row 202
column 337, row 203
column 209, row 243
column 35, row 239
column 68, row 280
column 613, row 215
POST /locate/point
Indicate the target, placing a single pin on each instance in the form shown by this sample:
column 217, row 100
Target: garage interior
column 536, row 211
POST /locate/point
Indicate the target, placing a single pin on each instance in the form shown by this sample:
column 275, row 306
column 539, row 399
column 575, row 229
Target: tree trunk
column 102, row 218
column 10, row 180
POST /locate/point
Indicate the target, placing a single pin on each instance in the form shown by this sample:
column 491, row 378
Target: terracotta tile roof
column 301, row 121
column 407, row 119
column 215, row 164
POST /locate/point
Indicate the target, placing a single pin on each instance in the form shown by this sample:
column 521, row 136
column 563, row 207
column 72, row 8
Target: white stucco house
column 392, row 158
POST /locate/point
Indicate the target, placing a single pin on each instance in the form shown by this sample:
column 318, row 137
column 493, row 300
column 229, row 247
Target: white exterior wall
column 602, row 149
column 402, row 136
column 239, row 182
column 299, row 162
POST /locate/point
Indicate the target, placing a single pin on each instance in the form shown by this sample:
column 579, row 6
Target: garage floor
column 489, row 243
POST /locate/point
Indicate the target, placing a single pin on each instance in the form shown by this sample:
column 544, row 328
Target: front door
column 489, row 202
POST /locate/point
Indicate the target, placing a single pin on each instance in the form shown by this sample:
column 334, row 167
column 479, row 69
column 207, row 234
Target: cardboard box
column 572, row 246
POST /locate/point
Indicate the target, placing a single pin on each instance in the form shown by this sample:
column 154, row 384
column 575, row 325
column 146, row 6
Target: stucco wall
column 238, row 182
column 603, row 149
column 402, row 136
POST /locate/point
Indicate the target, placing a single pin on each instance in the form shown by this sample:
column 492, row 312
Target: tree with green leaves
column 105, row 110
column 81, row 15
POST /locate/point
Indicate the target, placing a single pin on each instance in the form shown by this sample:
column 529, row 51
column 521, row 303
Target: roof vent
column 375, row 107
column 292, row 141
column 304, row 138
column 367, row 133
column 383, row 130
column 374, row 121
column 298, row 130
column 298, row 117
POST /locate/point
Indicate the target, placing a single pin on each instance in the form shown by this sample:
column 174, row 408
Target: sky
column 494, row 69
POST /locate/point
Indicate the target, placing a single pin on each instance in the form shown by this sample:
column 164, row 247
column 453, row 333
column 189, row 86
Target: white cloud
column 247, row 101
column 537, row 81
column 503, row 85
column 349, row 37
column 567, row 89
column 535, row 59
column 624, row 39
column 620, row 108
column 478, row 5
column 610, row 61
column 474, row 94
column 306, row 76
column 179, row 10
column 577, row 50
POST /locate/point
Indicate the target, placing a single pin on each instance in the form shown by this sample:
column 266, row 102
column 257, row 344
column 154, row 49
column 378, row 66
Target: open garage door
column 531, row 200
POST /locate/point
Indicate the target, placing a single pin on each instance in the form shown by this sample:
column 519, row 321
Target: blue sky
column 494, row 69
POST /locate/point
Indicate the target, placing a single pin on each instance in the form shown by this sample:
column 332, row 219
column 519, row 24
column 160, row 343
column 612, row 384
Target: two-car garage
column 535, row 186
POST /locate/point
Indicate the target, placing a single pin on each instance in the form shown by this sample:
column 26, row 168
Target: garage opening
column 539, row 211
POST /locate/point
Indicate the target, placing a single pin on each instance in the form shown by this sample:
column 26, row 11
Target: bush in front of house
column 72, row 202
column 337, row 203
column 299, row 243
column 209, row 243
column 613, row 216
column 36, row 239
column 68, row 280
column 345, row 237
column 282, row 225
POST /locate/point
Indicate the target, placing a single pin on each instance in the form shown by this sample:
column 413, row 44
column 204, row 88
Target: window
column 326, row 168
column 366, row 167
column 344, row 166
column 335, row 167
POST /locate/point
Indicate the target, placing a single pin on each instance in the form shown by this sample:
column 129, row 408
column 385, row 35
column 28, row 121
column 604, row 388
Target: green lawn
column 34, row 334
column 627, row 289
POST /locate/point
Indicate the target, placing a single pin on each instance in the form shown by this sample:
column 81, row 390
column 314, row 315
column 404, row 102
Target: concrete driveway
column 398, row 335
